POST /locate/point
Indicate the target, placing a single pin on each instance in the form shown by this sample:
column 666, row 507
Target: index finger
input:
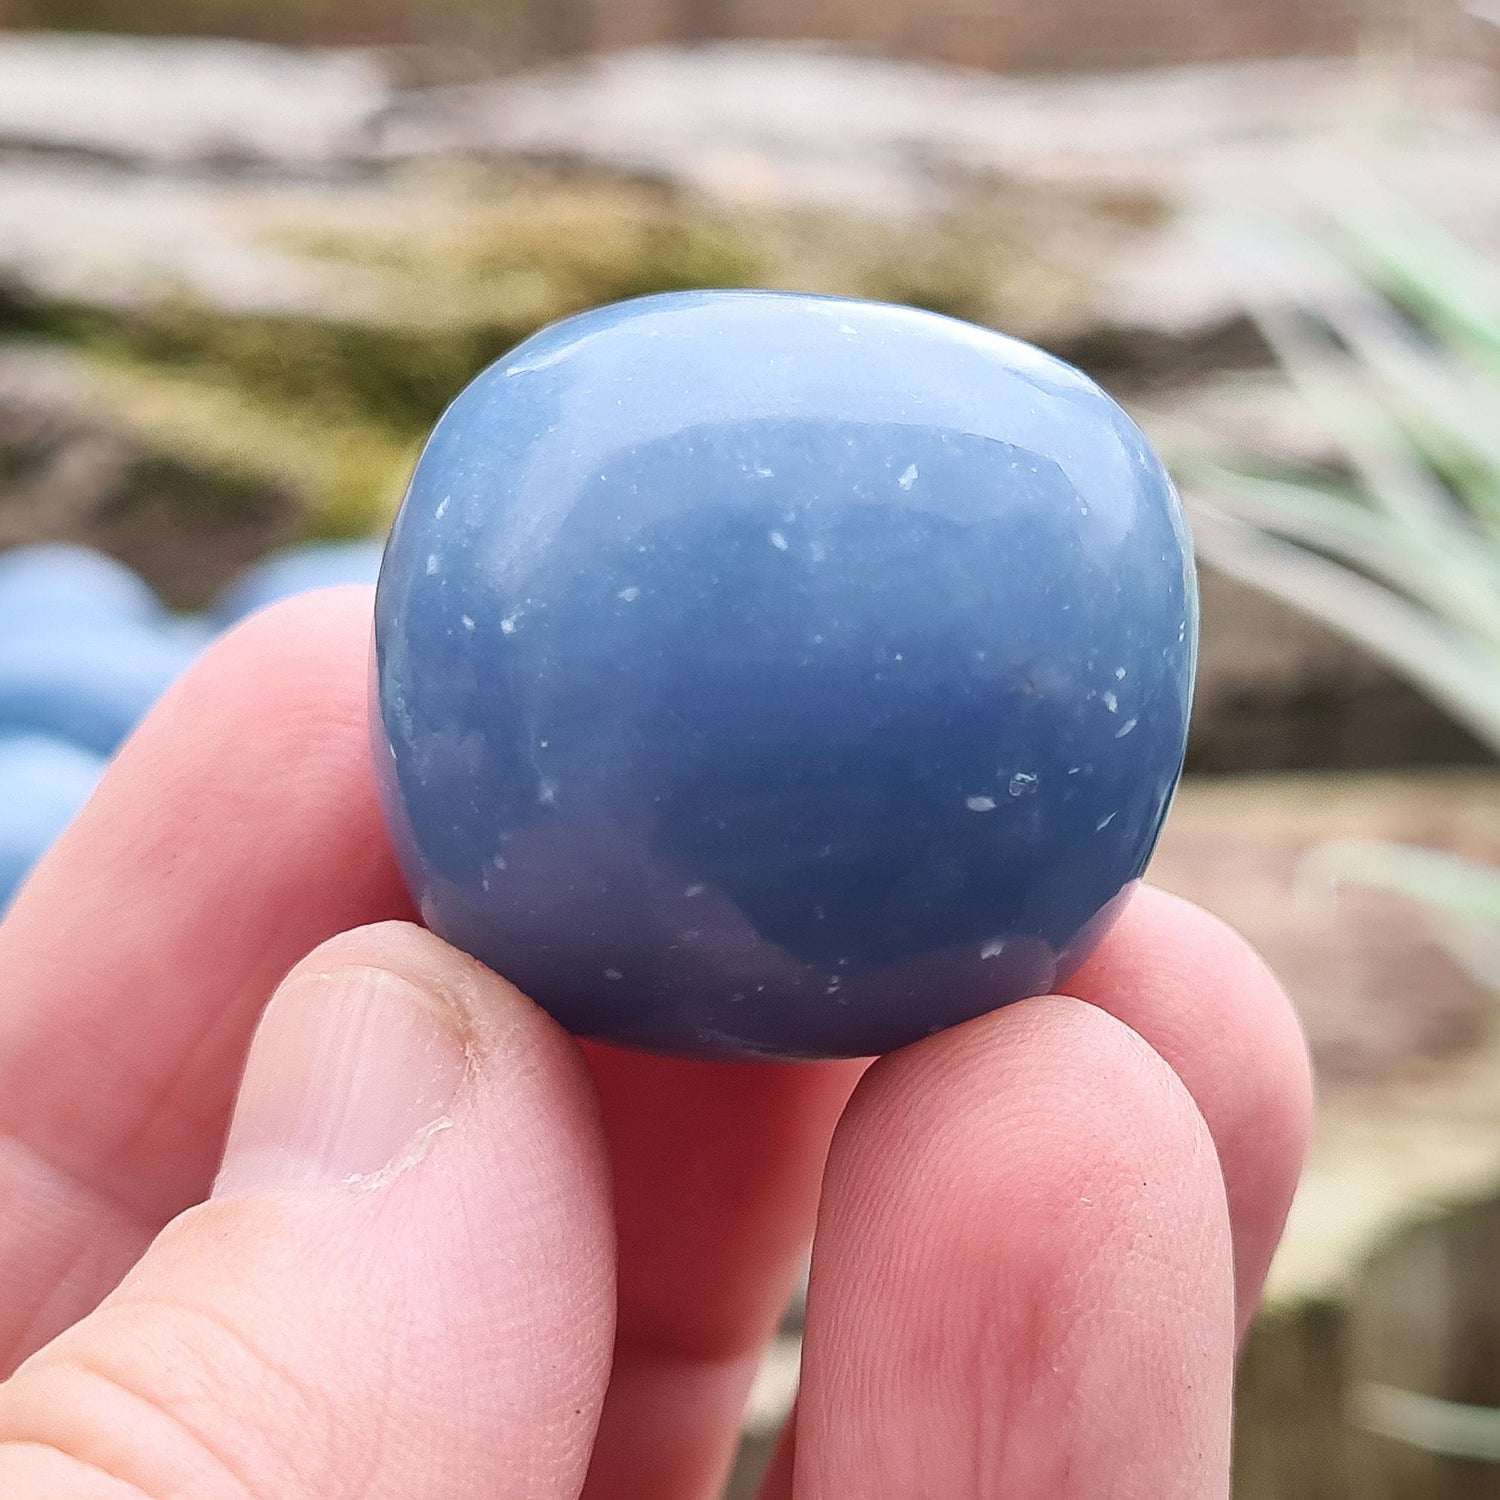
column 1207, row 1005
column 1021, row 1279
column 238, row 829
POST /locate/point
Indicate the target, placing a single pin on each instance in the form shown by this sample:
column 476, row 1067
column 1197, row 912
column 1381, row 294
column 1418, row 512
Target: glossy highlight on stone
column 771, row 675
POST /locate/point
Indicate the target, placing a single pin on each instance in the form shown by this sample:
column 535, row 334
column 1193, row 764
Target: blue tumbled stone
column 771, row 675
column 299, row 570
column 43, row 783
column 87, row 681
column 59, row 582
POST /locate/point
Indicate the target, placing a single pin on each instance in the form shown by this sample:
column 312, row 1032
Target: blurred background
column 249, row 250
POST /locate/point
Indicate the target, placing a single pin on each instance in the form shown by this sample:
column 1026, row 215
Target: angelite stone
column 87, row 681
column 772, row 675
column 298, row 570
column 57, row 582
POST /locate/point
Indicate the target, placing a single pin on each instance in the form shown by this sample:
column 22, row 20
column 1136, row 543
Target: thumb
column 402, row 1289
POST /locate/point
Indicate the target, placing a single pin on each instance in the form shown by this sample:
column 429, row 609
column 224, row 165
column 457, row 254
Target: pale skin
column 1036, row 1238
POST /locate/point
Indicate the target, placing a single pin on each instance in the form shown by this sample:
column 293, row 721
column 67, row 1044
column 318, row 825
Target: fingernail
column 350, row 1072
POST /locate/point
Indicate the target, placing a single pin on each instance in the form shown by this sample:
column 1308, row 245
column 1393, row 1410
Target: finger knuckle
column 162, row 1400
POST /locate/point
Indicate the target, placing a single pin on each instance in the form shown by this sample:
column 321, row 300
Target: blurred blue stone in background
column 85, row 680
column 71, row 584
column 86, row 648
column 43, row 783
column 194, row 633
column 774, row 675
column 298, row 570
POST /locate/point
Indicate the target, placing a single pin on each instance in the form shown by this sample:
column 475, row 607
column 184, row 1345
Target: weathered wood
column 246, row 218
column 984, row 33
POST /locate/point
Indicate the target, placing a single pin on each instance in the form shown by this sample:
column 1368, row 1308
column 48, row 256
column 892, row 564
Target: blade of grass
column 1449, row 666
column 1291, row 321
column 1461, row 894
column 1449, row 576
column 1418, row 262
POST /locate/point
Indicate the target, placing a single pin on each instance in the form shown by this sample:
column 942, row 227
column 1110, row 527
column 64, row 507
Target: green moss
column 277, row 20
column 346, row 475
column 457, row 296
column 451, row 271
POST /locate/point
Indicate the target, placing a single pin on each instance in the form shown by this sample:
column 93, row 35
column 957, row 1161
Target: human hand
column 452, row 1254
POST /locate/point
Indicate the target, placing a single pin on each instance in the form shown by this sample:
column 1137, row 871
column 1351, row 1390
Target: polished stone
column 298, row 570
column 769, row 675
column 87, row 681
column 55, row 582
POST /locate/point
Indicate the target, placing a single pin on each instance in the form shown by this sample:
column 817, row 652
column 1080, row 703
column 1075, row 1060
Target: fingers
column 1022, row 1281
column 237, row 830
column 717, row 1168
column 1197, row 992
column 403, row 1289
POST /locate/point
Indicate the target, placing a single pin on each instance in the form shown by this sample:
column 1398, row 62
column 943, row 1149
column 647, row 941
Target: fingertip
column 1047, row 1102
column 307, row 654
column 1022, row 1274
column 496, row 1017
column 416, row 1169
column 1203, row 998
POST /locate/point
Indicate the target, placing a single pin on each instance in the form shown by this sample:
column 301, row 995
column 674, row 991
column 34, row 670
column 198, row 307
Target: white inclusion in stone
column 849, row 329
column 762, row 472
column 1105, row 821
column 1022, row 783
column 468, row 621
column 1125, row 728
column 613, row 974
column 778, row 541
column 629, row 595
column 546, row 795
column 980, row 804
column 993, row 949
column 1074, row 770
column 1119, row 674
column 1110, row 702
column 508, row 624
column 442, row 509
column 498, row 861
column 908, row 477
column 432, row 563
column 693, row 890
